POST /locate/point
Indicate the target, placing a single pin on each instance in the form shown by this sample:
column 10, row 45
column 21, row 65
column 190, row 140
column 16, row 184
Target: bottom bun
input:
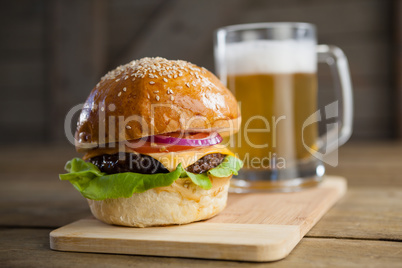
column 180, row 203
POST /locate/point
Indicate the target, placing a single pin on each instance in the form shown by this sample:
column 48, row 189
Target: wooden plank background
column 54, row 52
column 397, row 33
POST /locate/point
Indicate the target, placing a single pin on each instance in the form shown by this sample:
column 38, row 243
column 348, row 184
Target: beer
column 276, row 85
column 274, row 108
column 271, row 69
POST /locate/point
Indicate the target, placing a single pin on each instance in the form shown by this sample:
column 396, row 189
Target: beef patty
column 206, row 163
column 144, row 164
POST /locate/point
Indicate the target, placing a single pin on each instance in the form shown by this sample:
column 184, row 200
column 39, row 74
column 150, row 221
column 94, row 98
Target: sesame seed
column 148, row 96
column 128, row 127
column 124, row 89
column 152, row 67
column 156, row 91
column 171, row 98
column 119, row 94
column 103, row 109
column 97, row 85
column 188, row 84
column 157, row 98
column 194, row 84
column 164, row 79
column 151, row 82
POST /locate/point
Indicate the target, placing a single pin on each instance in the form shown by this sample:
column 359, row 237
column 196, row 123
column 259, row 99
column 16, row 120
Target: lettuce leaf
column 80, row 174
column 201, row 180
column 93, row 184
column 229, row 166
column 96, row 185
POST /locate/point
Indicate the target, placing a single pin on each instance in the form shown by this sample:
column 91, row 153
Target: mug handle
column 338, row 63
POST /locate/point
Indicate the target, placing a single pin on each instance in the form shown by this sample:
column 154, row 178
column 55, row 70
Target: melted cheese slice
column 172, row 159
column 187, row 157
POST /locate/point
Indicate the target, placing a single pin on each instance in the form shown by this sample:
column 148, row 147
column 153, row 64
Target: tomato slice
column 151, row 147
column 189, row 135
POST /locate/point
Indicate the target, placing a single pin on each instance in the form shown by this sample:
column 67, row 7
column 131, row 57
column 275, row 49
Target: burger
column 151, row 135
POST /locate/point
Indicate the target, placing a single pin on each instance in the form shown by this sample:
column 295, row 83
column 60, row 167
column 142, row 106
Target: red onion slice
column 212, row 139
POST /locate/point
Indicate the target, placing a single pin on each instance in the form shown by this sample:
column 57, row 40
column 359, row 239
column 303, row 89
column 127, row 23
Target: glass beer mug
column 271, row 68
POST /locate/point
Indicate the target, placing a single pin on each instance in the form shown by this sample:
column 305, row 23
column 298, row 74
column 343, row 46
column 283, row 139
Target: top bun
column 154, row 96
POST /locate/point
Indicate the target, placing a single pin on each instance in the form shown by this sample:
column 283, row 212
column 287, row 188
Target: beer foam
column 271, row 56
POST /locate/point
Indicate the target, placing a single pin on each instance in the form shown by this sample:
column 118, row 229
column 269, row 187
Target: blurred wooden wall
column 54, row 52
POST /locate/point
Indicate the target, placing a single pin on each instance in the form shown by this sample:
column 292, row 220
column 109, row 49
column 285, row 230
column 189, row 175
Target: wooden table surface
column 364, row 229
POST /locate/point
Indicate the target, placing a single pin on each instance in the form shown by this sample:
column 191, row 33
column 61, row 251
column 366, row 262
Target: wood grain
column 254, row 227
column 30, row 248
column 397, row 49
column 370, row 164
column 74, row 44
column 370, row 212
column 364, row 213
column 22, row 67
column 302, row 209
column 245, row 242
column 76, row 58
column 34, row 196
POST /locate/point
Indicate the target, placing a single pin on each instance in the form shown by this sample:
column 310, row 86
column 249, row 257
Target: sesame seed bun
column 180, row 203
column 155, row 96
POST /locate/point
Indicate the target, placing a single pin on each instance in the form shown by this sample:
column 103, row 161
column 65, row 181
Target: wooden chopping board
column 253, row 227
